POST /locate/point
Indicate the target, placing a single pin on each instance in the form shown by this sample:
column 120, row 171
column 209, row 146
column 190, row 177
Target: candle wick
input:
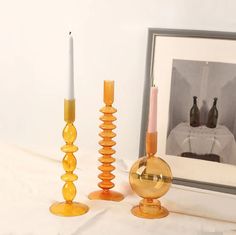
column 69, row 33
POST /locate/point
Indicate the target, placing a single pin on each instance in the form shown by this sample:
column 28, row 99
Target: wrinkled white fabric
column 30, row 183
column 202, row 140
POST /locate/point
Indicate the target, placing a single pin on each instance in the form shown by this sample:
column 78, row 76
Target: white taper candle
column 70, row 94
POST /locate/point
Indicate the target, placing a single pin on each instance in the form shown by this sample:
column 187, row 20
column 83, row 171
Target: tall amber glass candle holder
column 69, row 207
column 107, row 151
column 150, row 177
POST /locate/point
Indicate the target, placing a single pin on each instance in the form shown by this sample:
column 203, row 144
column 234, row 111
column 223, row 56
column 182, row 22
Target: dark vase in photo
column 194, row 114
column 212, row 115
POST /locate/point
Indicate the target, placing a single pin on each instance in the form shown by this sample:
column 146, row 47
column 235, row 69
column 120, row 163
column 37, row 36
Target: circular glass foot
column 69, row 209
column 108, row 195
column 157, row 214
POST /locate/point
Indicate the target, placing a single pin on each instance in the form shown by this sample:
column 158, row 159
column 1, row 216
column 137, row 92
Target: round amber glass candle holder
column 69, row 207
column 150, row 177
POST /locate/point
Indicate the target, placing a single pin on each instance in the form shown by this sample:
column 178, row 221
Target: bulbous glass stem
column 69, row 162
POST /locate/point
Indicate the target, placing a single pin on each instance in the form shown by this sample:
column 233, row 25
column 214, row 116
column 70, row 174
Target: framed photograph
column 195, row 72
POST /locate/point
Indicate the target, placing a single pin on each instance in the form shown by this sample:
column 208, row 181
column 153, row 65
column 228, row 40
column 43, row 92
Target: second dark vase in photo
column 212, row 115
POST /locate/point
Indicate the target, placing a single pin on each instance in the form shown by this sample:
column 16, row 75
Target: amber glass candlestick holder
column 107, row 151
column 150, row 177
column 69, row 207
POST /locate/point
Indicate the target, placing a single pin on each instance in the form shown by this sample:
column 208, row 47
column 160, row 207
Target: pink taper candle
column 152, row 121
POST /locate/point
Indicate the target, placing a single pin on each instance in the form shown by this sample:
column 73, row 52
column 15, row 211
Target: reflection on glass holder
column 150, row 177
column 69, row 207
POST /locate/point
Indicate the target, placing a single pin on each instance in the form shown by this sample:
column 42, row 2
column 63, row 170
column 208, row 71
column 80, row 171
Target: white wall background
column 110, row 43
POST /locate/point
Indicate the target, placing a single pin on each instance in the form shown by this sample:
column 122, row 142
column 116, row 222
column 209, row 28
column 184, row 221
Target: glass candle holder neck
column 151, row 143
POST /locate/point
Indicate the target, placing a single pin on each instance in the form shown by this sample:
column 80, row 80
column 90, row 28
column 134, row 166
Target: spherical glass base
column 150, row 177
column 108, row 195
column 69, row 209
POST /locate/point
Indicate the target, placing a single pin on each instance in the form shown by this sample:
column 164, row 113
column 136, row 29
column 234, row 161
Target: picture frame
column 197, row 45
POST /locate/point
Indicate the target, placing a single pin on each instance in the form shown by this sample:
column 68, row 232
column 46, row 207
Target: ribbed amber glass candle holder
column 107, row 151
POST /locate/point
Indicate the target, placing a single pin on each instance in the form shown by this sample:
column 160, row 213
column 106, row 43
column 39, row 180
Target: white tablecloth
column 202, row 140
column 30, row 183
